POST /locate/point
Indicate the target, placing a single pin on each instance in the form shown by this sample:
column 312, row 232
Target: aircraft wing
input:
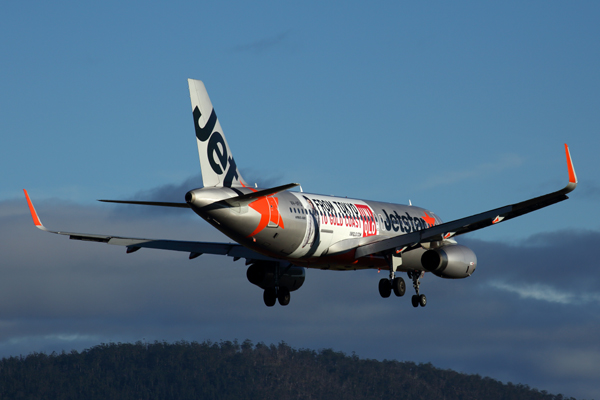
column 195, row 249
column 473, row 222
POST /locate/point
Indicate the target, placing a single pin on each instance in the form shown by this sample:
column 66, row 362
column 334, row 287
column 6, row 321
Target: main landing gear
column 417, row 299
column 271, row 295
column 277, row 293
column 394, row 283
column 398, row 285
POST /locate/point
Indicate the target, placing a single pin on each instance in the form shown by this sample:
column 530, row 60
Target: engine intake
column 262, row 274
column 451, row 262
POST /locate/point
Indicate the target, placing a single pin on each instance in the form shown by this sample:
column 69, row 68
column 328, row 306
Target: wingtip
column 572, row 175
column 34, row 215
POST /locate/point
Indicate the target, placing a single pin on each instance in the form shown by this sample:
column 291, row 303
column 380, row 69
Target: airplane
column 280, row 233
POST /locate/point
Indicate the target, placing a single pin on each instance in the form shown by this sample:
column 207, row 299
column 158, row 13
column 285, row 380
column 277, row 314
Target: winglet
column 34, row 215
column 572, row 176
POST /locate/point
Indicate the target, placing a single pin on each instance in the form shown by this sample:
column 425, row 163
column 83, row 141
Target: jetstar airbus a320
column 281, row 233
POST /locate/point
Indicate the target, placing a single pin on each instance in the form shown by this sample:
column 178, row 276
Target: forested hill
column 229, row 370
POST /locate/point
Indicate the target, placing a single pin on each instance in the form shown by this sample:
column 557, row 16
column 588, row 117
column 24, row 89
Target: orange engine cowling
column 451, row 262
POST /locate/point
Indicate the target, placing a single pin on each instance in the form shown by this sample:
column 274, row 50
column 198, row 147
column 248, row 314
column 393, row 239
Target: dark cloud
column 171, row 192
column 174, row 193
column 529, row 314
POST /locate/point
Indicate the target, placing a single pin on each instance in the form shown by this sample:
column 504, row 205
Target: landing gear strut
column 394, row 283
column 417, row 299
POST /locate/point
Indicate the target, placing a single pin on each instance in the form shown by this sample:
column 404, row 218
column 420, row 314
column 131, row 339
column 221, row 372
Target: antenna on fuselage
column 409, row 202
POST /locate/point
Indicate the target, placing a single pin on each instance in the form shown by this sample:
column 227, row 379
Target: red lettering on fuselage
column 339, row 213
column 369, row 225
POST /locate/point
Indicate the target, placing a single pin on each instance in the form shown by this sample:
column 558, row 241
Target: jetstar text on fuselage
column 406, row 223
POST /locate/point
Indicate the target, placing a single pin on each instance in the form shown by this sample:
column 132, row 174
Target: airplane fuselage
column 314, row 231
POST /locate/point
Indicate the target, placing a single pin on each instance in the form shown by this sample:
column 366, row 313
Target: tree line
column 233, row 370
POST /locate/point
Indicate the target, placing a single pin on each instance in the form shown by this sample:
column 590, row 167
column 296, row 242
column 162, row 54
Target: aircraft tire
column 415, row 300
column 422, row 300
column 283, row 296
column 399, row 286
column 270, row 297
column 385, row 288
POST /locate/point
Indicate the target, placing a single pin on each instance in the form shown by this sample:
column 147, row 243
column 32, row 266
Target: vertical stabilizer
column 217, row 163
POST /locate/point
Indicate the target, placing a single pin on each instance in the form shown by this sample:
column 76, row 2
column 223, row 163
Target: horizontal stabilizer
column 148, row 203
column 249, row 197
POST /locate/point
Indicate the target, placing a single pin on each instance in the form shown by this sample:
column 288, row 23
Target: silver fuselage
column 311, row 230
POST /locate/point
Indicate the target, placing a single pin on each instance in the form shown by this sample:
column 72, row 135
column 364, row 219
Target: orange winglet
column 34, row 215
column 572, row 176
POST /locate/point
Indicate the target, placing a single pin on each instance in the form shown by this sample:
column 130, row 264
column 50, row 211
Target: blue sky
column 459, row 107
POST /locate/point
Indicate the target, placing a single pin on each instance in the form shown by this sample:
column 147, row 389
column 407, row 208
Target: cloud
column 263, row 45
column 170, row 192
column 176, row 193
column 445, row 178
column 589, row 190
column 547, row 293
column 60, row 294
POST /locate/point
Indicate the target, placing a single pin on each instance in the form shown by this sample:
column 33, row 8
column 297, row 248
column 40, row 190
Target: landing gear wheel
column 270, row 297
column 415, row 300
column 399, row 287
column 385, row 288
column 283, row 296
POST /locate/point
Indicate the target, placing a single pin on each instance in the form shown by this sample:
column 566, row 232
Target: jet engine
column 262, row 274
column 451, row 262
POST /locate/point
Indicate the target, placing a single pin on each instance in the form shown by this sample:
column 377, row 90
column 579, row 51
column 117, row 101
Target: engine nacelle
column 262, row 274
column 451, row 262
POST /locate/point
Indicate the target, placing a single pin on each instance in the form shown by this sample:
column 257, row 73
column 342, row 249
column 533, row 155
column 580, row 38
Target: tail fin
column 218, row 167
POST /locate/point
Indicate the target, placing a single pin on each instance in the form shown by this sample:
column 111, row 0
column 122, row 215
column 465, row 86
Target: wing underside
column 473, row 222
column 133, row 244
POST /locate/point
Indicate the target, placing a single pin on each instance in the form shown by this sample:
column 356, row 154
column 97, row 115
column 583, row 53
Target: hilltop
column 230, row 370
